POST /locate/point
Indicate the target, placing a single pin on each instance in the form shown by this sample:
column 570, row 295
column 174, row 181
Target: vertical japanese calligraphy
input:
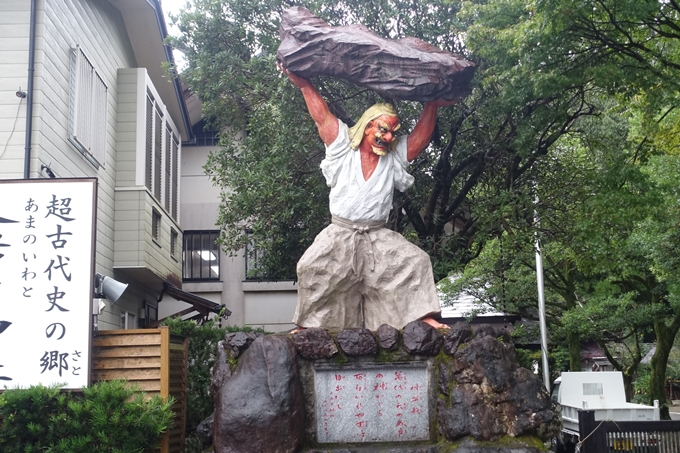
column 373, row 404
column 46, row 271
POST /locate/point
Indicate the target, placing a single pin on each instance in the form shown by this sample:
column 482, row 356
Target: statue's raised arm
column 422, row 132
column 325, row 121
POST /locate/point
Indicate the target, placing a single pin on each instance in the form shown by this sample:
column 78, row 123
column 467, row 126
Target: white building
column 86, row 78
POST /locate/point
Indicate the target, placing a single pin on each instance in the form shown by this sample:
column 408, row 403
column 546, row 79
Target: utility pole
column 541, row 302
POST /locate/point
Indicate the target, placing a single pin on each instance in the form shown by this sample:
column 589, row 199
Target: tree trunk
column 628, row 372
column 628, row 386
column 574, row 346
column 657, row 379
column 631, row 371
column 665, row 336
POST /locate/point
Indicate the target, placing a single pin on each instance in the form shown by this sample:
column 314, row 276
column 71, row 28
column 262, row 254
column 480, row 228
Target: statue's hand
column 298, row 81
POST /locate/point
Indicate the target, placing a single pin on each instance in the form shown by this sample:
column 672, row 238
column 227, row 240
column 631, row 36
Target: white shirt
column 352, row 197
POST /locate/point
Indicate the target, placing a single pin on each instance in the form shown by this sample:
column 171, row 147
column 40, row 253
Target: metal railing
column 647, row 436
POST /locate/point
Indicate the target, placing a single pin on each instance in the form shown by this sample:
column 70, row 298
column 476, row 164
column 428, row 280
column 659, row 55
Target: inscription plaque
column 372, row 403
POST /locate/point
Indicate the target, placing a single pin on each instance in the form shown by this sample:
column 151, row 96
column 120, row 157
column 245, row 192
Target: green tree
column 629, row 51
column 636, row 46
column 657, row 240
column 608, row 245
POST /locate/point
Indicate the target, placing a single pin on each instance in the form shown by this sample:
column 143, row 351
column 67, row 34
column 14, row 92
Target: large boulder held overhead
column 407, row 68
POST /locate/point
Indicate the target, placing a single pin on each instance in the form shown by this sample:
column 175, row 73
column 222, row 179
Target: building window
column 167, row 171
column 161, row 157
column 88, row 112
column 155, row 224
column 204, row 135
column 128, row 320
column 148, row 315
column 157, row 155
column 151, row 314
column 253, row 256
column 174, row 185
column 173, row 242
column 148, row 177
column 201, row 256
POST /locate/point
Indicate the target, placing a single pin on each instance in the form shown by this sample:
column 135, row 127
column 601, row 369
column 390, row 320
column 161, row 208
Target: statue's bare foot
column 434, row 323
column 296, row 330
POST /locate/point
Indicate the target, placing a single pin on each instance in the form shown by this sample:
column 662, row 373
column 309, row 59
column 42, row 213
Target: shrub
column 641, row 385
column 203, row 341
column 108, row 417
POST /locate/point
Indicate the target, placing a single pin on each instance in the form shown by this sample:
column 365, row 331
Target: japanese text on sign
column 46, row 267
column 380, row 404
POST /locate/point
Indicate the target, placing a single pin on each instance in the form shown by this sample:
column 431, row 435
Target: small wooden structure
column 152, row 359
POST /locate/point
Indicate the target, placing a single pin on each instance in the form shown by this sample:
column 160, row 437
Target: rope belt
column 360, row 229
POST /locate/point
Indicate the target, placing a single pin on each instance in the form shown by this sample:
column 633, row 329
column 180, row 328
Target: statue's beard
column 379, row 151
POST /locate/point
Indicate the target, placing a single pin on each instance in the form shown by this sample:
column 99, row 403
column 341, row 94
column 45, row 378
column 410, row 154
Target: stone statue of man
column 358, row 273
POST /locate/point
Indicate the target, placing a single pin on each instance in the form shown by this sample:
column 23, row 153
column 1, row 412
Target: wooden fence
column 152, row 359
column 628, row 437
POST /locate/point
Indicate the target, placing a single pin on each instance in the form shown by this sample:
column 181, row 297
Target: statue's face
column 380, row 132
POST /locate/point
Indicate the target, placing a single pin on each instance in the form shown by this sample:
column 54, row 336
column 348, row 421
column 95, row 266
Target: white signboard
column 372, row 404
column 46, row 276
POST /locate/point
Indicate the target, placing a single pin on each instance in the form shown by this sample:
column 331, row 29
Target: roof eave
column 147, row 31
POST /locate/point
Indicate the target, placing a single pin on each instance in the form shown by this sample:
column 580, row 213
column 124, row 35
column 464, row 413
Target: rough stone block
column 422, row 338
column 458, row 334
column 357, row 342
column 261, row 408
column 314, row 343
column 389, row 337
column 237, row 342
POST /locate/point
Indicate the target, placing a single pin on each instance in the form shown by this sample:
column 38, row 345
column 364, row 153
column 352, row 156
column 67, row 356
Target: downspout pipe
column 29, row 90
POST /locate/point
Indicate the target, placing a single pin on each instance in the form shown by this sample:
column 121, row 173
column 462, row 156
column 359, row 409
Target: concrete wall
column 270, row 305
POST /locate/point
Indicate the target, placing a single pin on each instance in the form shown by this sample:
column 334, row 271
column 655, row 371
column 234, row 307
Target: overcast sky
column 173, row 6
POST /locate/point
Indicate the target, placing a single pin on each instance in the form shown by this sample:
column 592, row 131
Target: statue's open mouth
column 379, row 147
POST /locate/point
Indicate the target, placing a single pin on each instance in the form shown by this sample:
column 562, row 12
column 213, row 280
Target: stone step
column 464, row 447
column 373, row 449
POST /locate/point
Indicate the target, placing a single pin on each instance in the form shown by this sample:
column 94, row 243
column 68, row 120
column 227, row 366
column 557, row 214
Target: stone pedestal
column 434, row 392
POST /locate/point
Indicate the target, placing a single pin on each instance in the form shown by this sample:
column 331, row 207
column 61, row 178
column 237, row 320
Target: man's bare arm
column 422, row 132
column 325, row 121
